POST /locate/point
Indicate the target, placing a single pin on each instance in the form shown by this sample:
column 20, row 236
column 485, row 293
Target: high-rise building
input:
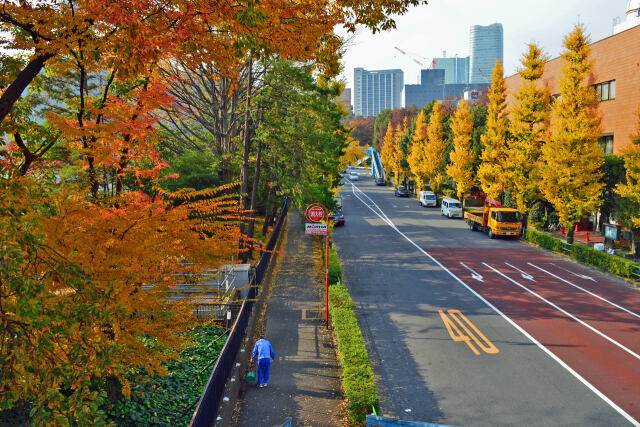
column 456, row 70
column 374, row 91
column 486, row 48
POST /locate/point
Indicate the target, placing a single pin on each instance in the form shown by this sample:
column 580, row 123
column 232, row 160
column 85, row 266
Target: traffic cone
column 575, row 230
column 587, row 238
column 563, row 229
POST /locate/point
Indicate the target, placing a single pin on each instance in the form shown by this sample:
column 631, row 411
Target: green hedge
column 611, row 263
column 357, row 375
column 335, row 270
column 545, row 240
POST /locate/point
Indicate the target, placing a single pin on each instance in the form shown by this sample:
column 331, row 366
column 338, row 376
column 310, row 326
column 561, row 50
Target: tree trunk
column 25, row 77
column 570, row 234
column 635, row 242
column 525, row 223
column 244, row 174
column 254, row 196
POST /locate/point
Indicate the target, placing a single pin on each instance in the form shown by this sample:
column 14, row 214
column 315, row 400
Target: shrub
column 335, row 270
column 357, row 375
column 611, row 263
column 543, row 239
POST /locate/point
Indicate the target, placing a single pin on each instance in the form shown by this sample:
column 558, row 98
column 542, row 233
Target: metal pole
column 326, row 280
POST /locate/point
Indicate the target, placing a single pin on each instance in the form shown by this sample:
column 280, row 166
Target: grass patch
column 357, row 375
column 611, row 263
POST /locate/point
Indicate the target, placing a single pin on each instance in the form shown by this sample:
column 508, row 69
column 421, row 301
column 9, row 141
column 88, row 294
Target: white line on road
column 583, row 323
column 473, row 273
column 522, row 273
column 384, row 217
column 582, row 276
column 585, row 290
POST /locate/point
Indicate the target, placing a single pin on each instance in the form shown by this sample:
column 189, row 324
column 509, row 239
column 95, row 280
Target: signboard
column 315, row 213
column 312, row 228
column 611, row 231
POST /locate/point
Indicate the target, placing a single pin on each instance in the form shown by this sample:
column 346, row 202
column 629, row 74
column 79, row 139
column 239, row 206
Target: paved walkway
column 304, row 383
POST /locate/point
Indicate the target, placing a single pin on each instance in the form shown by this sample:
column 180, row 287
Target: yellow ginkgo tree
column 436, row 147
column 417, row 152
column 352, row 152
column 571, row 176
column 630, row 190
column 460, row 168
column 529, row 130
column 491, row 172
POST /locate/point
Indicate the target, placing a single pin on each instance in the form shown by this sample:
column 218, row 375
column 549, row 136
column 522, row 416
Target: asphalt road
column 465, row 330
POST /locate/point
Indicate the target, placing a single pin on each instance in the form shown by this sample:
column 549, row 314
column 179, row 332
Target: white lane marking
column 582, row 276
column 522, row 273
column 585, row 290
column 565, row 312
column 473, row 273
column 579, row 377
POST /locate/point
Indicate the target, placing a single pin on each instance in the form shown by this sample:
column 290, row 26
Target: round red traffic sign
column 315, row 214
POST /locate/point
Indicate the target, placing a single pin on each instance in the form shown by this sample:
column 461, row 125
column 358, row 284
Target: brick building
column 616, row 76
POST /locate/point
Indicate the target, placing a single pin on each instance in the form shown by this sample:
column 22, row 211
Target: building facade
column 456, row 70
column 486, row 44
column 374, row 91
column 615, row 76
column 432, row 87
column 345, row 99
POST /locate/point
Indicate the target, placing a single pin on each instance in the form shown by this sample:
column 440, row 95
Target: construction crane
column 410, row 56
column 482, row 74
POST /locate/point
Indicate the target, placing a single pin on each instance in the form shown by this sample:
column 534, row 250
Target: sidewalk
column 304, row 383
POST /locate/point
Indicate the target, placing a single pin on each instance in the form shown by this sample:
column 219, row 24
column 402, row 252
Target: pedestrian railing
column 207, row 409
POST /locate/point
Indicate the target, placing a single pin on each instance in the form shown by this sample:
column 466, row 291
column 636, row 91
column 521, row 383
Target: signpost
column 315, row 213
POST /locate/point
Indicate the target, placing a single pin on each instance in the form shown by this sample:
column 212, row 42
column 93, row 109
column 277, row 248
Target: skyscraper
column 456, row 70
column 486, row 48
column 375, row 91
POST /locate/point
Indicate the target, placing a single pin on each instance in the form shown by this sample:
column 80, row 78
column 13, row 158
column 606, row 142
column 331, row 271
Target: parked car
column 400, row 191
column 337, row 217
column 428, row 198
column 381, row 181
column 451, row 208
column 354, row 176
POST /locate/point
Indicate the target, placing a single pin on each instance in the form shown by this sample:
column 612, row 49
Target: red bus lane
column 603, row 349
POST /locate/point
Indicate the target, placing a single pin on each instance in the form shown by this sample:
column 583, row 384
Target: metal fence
column 207, row 409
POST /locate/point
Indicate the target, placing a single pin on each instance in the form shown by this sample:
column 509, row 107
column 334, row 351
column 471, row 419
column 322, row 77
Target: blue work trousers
column 264, row 365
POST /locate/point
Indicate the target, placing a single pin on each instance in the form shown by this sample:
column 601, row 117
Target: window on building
column 606, row 90
column 606, row 142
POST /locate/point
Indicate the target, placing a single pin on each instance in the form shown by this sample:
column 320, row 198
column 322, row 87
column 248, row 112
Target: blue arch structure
column 377, row 170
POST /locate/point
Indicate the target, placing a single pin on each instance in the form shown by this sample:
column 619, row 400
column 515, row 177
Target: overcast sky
column 426, row 31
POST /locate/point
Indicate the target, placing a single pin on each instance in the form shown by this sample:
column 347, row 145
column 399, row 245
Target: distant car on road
column 451, row 208
column 428, row 198
column 381, row 181
column 337, row 217
column 354, row 176
column 400, row 191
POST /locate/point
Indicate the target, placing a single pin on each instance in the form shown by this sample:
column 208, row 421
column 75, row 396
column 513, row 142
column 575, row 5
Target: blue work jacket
column 263, row 349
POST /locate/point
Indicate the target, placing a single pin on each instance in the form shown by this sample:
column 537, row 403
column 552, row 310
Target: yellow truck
column 494, row 220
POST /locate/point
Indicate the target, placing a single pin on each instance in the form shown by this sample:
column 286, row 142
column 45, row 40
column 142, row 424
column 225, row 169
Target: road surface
column 465, row 330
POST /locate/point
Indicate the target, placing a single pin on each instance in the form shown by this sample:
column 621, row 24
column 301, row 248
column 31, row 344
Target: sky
column 426, row 31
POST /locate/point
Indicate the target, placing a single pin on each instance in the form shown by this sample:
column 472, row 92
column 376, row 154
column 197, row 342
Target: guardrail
column 207, row 409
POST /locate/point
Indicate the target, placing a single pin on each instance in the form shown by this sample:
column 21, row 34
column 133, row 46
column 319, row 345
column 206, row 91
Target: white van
column 451, row 208
column 428, row 198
